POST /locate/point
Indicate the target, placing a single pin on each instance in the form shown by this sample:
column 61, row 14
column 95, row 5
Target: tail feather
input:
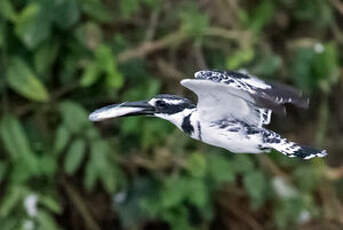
column 303, row 152
column 290, row 149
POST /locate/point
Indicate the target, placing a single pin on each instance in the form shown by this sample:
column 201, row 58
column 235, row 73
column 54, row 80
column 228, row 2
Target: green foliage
column 316, row 67
column 60, row 59
column 21, row 78
column 193, row 22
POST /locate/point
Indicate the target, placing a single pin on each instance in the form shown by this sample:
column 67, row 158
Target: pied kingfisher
column 231, row 111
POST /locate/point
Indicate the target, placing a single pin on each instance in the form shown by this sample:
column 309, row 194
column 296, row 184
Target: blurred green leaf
column 51, row 204
column 13, row 196
column 48, row 165
column 193, row 21
column 66, row 13
column 174, row 191
column 197, row 192
column 31, row 27
column 242, row 164
column 220, row 168
column 262, row 15
column 255, row 184
column 2, row 36
column 316, row 66
column 240, row 57
column 318, row 12
column 7, row 10
column 268, row 65
column 16, row 143
column 62, row 138
column 312, row 178
column 75, row 155
column 302, row 69
column 96, row 10
column 288, row 212
column 196, row 165
column 90, row 75
column 44, row 57
column 102, row 168
column 325, row 65
column 21, row 78
column 106, row 61
column 75, row 117
column 129, row 7
column 46, row 221
column 109, row 178
column 91, row 175
column 3, row 170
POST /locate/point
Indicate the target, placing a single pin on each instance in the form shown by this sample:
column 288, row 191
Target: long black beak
column 121, row 110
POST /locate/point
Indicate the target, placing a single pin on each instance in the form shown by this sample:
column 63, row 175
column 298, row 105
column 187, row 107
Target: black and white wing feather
column 227, row 93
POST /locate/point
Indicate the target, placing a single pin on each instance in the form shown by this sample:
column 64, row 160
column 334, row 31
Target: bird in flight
column 232, row 110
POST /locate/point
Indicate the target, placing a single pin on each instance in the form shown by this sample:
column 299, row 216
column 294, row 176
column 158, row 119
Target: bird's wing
column 226, row 93
column 265, row 94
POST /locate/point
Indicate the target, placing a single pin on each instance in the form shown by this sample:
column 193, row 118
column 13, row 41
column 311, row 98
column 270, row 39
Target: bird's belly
column 236, row 142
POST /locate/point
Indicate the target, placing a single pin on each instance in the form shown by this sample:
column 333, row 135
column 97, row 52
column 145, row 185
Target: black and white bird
column 231, row 111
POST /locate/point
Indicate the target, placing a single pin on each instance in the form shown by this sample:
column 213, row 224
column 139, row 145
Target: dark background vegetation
column 61, row 59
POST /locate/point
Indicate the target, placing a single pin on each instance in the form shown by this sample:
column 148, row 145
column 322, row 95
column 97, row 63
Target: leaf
column 312, row 178
column 101, row 167
column 129, row 7
column 262, row 16
column 66, row 13
column 21, row 79
column 197, row 192
column 3, row 170
column 242, row 164
column 2, row 40
column 96, row 10
column 74, row 157
column 196, row 165
column 46, row 221
column 325, row 65
column 91, row 175
column 193, row 21
column 174, row 192
column 45, row 56
column 255, row 184
column 13, row 196
column 219, row 168
column 48, row 165
column 51, row 204
column 62, row 137
column 90, row 75
column 106, row 62
column 75, row 118
column 31, row 26
column 301, row 69
column 109, row 178
column 240, row 57
column 16, row 142
column 7, row 10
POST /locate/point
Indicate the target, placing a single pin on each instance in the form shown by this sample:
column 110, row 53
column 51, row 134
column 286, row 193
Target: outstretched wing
column 223, row 94
column 265, row 94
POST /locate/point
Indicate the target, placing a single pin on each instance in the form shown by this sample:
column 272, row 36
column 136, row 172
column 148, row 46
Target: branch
column 77, row 201
column 179, row 36
column 151, row 46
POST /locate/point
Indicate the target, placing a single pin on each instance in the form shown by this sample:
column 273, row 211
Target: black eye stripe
column 161, row 103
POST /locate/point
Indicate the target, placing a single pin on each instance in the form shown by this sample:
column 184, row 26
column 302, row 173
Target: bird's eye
column 161, row 104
